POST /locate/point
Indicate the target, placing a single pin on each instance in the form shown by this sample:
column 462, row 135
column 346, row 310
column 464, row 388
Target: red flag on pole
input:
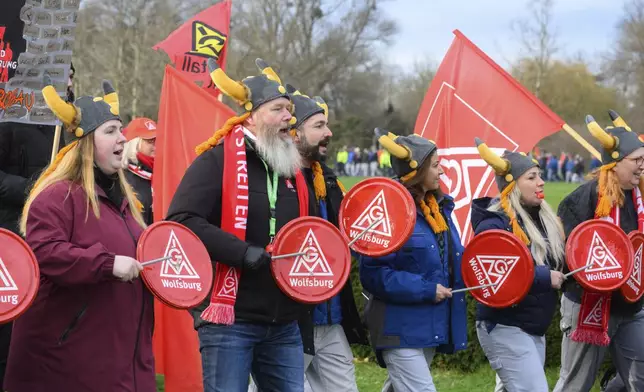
column 471, row 96
column 188, row 115
column 200, row 38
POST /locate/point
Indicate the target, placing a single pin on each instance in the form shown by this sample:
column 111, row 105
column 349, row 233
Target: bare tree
column 538, row 39
column 624, row 67
column 323, row 47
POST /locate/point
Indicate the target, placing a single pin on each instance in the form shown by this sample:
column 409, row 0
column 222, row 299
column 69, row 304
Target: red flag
column 188, row 115
column 200, row 38
column 471, row 96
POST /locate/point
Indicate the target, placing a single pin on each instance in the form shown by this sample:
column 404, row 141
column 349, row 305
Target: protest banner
column 36, row 38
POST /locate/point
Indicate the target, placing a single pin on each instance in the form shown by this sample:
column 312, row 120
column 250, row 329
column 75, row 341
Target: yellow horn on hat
column 618, row 121
column 607, row 141
column 233, row 89
column 267, row 70
column 111, row 97
column 501, row 166
column 322, row 104
column 394, row 148
column 65, row 111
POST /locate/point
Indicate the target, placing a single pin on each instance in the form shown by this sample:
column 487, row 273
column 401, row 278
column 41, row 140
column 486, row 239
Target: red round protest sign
column 19, row 276
column 632, row 290
column 311, row 261
column 498, row 260
column 384, row 210
column 184, row 280
column 605, row 252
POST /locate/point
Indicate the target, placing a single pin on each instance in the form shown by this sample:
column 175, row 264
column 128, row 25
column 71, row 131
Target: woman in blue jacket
column 513, row 338
column 412, row 313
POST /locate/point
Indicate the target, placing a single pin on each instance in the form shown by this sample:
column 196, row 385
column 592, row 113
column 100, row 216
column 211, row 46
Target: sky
column 425, row 27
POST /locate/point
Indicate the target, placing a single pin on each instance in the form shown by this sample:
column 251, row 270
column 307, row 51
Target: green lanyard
column 271, row 189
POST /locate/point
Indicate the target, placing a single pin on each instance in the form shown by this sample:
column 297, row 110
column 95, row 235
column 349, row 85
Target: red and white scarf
column 592, row 323
column 234, row 216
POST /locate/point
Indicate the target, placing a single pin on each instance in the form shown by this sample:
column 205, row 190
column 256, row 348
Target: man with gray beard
column 242, row 188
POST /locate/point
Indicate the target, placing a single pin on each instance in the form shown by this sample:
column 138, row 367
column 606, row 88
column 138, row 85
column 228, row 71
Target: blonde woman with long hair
column 90, row 327
column 513, row 338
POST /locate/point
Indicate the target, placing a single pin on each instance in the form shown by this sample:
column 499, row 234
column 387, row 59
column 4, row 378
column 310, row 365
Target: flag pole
column 582, row 141
column 54, row 149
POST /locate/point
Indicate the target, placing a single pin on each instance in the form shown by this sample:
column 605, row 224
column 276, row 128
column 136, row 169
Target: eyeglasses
column 638, row 161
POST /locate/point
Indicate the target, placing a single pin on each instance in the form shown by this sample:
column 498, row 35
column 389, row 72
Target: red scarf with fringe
column 234, row 216
column 592, row 323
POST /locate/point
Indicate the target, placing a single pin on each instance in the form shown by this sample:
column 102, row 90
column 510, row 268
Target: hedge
column 471, row 358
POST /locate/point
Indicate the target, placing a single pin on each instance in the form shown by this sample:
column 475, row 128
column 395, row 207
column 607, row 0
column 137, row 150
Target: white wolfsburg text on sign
column 602, row 261
column 308, row 268
column 377, row 209
column 178, row 267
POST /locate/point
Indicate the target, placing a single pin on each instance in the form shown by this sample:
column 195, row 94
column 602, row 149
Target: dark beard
column 311, row 152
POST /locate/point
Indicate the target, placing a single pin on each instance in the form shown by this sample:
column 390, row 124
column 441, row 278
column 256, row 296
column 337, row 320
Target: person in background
column 552, row 168
column 373, row 162
column 412, row 313
column 570, row 165
column 595, row 163
column 350, row 162
column 138, row 161
column 341, row 161
column 364, row 166
column 90, row 326
column 25, row 150
column 543, row 162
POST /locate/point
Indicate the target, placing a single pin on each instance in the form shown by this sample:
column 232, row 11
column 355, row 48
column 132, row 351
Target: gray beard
column 281, row 155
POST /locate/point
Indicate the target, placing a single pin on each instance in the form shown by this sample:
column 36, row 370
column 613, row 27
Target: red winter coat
column 86, row 330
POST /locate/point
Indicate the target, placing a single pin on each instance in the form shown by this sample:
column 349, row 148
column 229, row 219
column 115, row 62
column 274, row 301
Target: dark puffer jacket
column 25, row 150
column 534, row 313
column 578, row 207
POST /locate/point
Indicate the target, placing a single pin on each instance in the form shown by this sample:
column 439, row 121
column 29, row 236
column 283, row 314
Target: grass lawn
column 370, row 376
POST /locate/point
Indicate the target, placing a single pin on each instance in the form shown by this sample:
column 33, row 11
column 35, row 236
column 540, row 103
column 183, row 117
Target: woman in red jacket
column 90, row 327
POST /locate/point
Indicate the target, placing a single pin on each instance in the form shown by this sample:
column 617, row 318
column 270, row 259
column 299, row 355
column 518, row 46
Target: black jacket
column 351, row 323
column 578, row 207
column 197, row 205
column 25, row 150
column 143, row 189
column 535, row 312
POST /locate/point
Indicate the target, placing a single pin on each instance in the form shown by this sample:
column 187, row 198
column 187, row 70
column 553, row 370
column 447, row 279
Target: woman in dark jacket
column 412, row 313
column 138, row 161
column 90, row 326
column 513, row 338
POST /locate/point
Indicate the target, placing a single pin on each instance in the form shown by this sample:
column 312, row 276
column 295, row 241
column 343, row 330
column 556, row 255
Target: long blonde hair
column 129, row 152
column 553, row 244
column 77, row 165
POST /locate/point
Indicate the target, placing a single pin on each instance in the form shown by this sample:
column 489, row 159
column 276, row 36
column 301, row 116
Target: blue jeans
column 274, row 354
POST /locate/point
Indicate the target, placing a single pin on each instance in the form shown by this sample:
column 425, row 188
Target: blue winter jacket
column 535, row 312
column 402, row 311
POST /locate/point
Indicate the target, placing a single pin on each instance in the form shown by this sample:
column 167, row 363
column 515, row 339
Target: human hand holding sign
column 126, row 268
column 442, row 292
column 556, row 279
